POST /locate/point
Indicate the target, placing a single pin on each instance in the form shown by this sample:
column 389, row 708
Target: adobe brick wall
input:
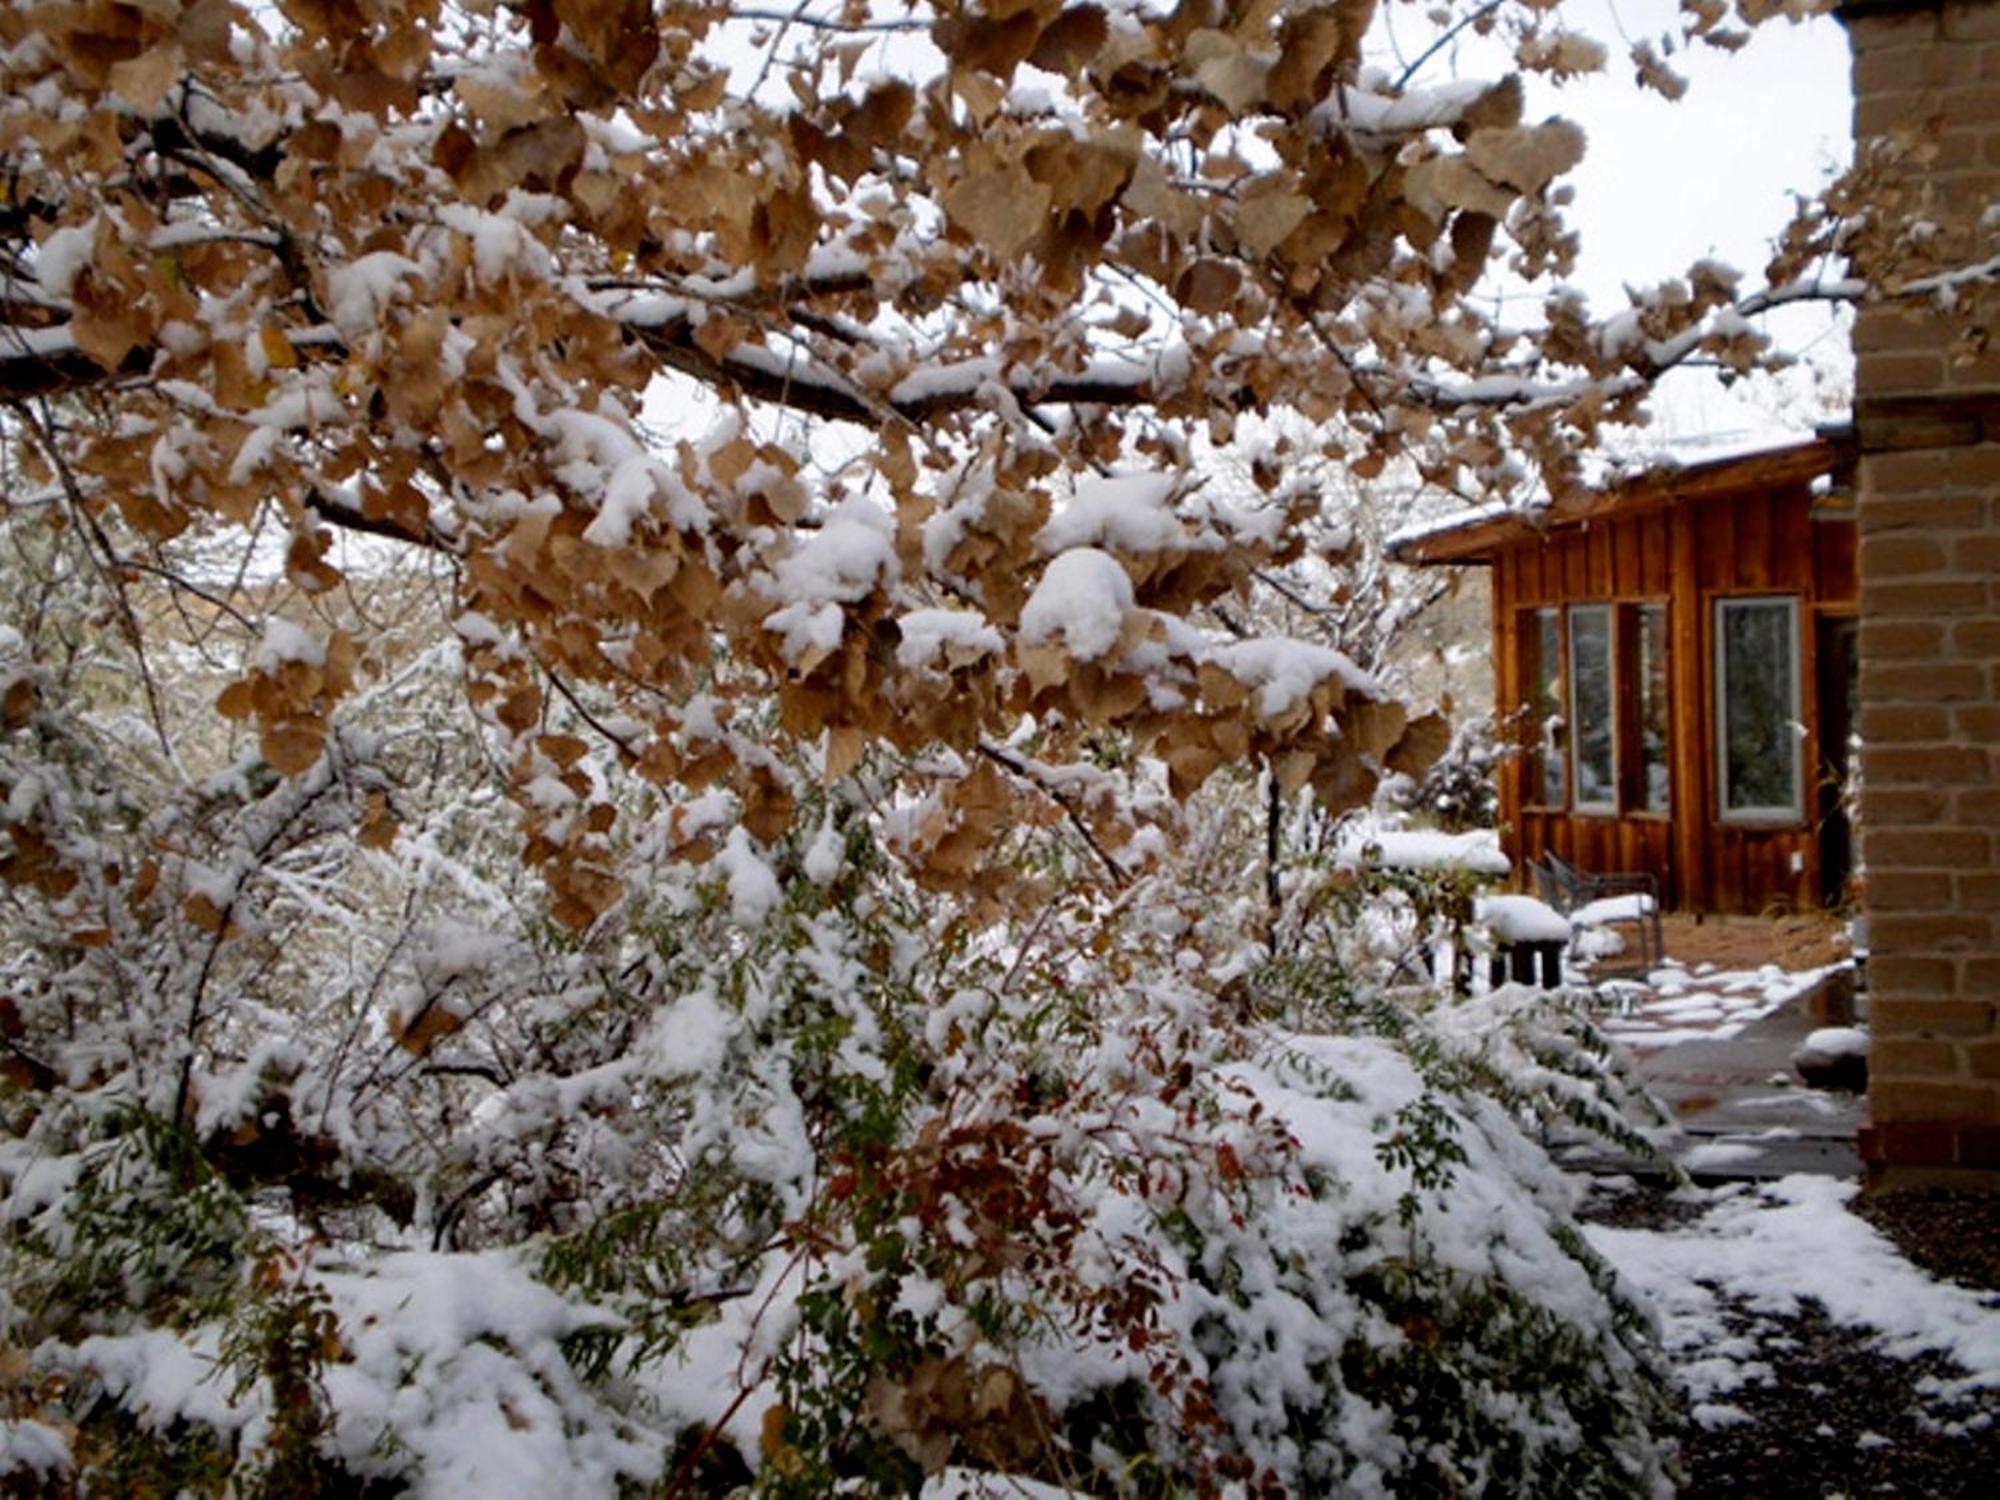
column 1927, row 410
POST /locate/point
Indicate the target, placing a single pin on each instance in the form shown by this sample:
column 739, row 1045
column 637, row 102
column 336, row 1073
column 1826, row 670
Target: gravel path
column 1835, row 1416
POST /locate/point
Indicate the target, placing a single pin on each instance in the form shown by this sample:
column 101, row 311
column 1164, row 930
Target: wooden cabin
column 1674, row 661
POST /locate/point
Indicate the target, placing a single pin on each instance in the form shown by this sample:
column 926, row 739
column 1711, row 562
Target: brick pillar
column 1927, row 413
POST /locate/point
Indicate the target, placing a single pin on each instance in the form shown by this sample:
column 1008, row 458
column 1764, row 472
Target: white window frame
column 1606, row 807
column 1794, row 813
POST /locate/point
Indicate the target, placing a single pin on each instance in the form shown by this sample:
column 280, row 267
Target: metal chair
column 1604, row 900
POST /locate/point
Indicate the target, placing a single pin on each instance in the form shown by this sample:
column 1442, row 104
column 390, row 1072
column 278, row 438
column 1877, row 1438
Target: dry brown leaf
column 1526, row 156
column 1228, row 69
column 1269, row 209
column 143, row 81
column 1071, row 41
column 1004, row 209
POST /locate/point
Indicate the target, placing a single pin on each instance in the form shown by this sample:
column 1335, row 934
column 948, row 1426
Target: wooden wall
column 1682, row 555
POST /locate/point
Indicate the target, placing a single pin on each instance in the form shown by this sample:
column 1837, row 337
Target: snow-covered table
column 1529, row 938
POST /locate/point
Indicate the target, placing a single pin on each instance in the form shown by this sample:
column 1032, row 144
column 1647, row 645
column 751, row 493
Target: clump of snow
column 1121, row 512
column 931, row 634
column 1837, row 1041
column 1083, row 596
column 825, row 856
column 454, row 1368
column 37, row 1449
column 753, row 888
column 1284, row 672
column 1628, row 908
column 285, row 642
column 1521, row 919
column 360, row 292
column 1476, row 852
column 61, row 257
column 842, row 562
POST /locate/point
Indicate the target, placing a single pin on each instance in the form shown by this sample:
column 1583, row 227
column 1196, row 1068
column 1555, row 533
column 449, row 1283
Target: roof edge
column 1479, row 536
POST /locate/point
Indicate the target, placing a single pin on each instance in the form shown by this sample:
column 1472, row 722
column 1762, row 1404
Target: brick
column 1901, row 1100
column 1976, row 637
column 1970, row 105
column 1936, row 1018
column 1977, row 806
column 1880, row 432
column 1931, row 932
column 1941, row 510
column 1893, row 28
column 1905, row 68
column 1902, row 723
column 1901, row 554
column 1891, row 331
column 1969, row 370
column 1936, row 682
column 1979, row 982
column 1894, row 374
column 1924, row 848
column 1970, row 22
column 1929, row 765
column 1901, row 981
column 1901, row 1057
column 1976, row 892
column 1967, row 466
column 1910, row 1143
column 1943, row 597
column 1976, row 554
column 1978, row 1145
column 1978, row 721
column 1893, row 805
column 1904, row 890
column 1982, row 1059
column 1901, row 640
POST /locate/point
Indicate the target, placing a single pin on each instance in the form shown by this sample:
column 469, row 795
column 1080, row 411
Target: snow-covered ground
column 1768, row 1251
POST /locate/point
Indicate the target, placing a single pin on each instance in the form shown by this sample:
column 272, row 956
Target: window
column 1595, row 708
column 1594, row 738
column 1542, row 704
column 1757, row 708
column 1651, row 789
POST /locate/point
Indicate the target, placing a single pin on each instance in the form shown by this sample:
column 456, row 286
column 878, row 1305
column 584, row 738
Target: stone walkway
column 1718, row 1053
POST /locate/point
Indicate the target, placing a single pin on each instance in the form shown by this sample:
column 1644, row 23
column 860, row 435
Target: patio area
column 1712, row 1032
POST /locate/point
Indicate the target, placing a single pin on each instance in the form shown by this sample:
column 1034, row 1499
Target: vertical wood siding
column 1756, row 541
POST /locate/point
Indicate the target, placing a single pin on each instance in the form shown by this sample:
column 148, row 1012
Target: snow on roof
column 1710, row 464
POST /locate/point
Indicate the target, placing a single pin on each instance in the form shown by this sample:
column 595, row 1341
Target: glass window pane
column 1655, row 776
column 1757, row 655
column 1592, row 705
column 1544, row 727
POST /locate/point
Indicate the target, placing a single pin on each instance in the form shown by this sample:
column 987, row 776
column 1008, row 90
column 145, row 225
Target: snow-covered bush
column 802, row 1175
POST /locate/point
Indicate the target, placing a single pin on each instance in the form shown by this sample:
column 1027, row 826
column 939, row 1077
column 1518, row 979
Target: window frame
column 1534, row 676
column 1606, row 807
column 1632, row 673
column 1793, row 814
